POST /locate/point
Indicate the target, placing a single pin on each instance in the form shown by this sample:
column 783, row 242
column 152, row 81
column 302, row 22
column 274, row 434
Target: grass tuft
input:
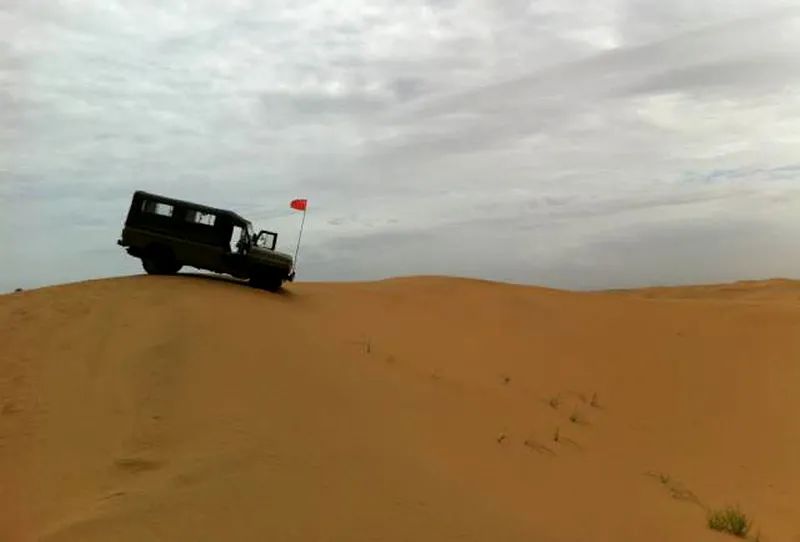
column 729, row 520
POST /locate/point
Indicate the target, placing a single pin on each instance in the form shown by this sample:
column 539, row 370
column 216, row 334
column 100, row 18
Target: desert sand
column 415, row 409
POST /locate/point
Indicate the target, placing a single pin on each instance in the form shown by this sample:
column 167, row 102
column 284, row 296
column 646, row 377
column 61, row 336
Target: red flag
column 299, row 204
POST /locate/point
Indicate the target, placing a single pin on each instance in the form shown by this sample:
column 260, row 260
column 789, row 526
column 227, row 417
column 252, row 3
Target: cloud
column 446, row 129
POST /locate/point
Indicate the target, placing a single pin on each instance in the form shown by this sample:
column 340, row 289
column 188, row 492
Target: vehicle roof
column 200, row 207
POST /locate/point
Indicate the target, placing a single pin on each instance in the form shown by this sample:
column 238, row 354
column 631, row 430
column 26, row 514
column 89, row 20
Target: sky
column 580, row 145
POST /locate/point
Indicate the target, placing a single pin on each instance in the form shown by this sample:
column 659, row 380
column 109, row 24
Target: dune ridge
column 415, row 408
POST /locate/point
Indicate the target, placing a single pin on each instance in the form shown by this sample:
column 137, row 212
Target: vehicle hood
column 272, row 256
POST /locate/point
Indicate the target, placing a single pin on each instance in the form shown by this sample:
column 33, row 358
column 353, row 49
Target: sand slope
column 183, row 408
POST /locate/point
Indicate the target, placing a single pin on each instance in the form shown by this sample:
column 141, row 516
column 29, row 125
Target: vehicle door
column 201, row 248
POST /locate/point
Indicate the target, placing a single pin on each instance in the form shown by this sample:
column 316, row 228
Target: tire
column 160, row 262
column 150, row 265
column 267, row 282
column 273, row 285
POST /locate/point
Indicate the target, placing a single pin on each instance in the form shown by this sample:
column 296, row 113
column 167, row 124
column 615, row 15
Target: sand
column 415, row 409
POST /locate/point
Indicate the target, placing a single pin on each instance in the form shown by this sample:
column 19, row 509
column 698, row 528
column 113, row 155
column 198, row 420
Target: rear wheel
column 160, row 262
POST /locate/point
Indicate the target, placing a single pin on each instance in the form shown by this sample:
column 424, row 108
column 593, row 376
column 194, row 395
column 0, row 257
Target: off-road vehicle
column 167, row 234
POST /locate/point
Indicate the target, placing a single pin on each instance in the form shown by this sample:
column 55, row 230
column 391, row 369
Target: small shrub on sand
column 729, row 520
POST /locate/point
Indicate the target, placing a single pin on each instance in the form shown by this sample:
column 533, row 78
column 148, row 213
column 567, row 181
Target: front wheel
column 268, row 282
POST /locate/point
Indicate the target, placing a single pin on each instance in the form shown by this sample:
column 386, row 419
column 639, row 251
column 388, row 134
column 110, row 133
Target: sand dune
column 183, row 408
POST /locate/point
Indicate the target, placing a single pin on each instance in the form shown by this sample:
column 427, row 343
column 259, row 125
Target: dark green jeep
column 167, row 233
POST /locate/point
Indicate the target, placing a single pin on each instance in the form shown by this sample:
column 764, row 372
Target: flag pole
column 300, row 236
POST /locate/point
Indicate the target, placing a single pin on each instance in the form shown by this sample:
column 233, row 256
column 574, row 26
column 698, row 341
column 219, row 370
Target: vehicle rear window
column 157, row 208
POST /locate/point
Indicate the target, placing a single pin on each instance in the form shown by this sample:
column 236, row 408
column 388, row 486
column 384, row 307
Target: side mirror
column 266, row 239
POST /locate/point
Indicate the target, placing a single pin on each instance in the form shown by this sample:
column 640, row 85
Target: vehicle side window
column 157, row 208
column 199, row 217
column 236, row 238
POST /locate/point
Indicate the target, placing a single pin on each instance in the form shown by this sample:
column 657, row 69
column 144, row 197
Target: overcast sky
column 570, row 144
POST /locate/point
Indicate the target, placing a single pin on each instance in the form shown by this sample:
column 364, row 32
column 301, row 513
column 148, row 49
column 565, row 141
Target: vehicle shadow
column 230, row 280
